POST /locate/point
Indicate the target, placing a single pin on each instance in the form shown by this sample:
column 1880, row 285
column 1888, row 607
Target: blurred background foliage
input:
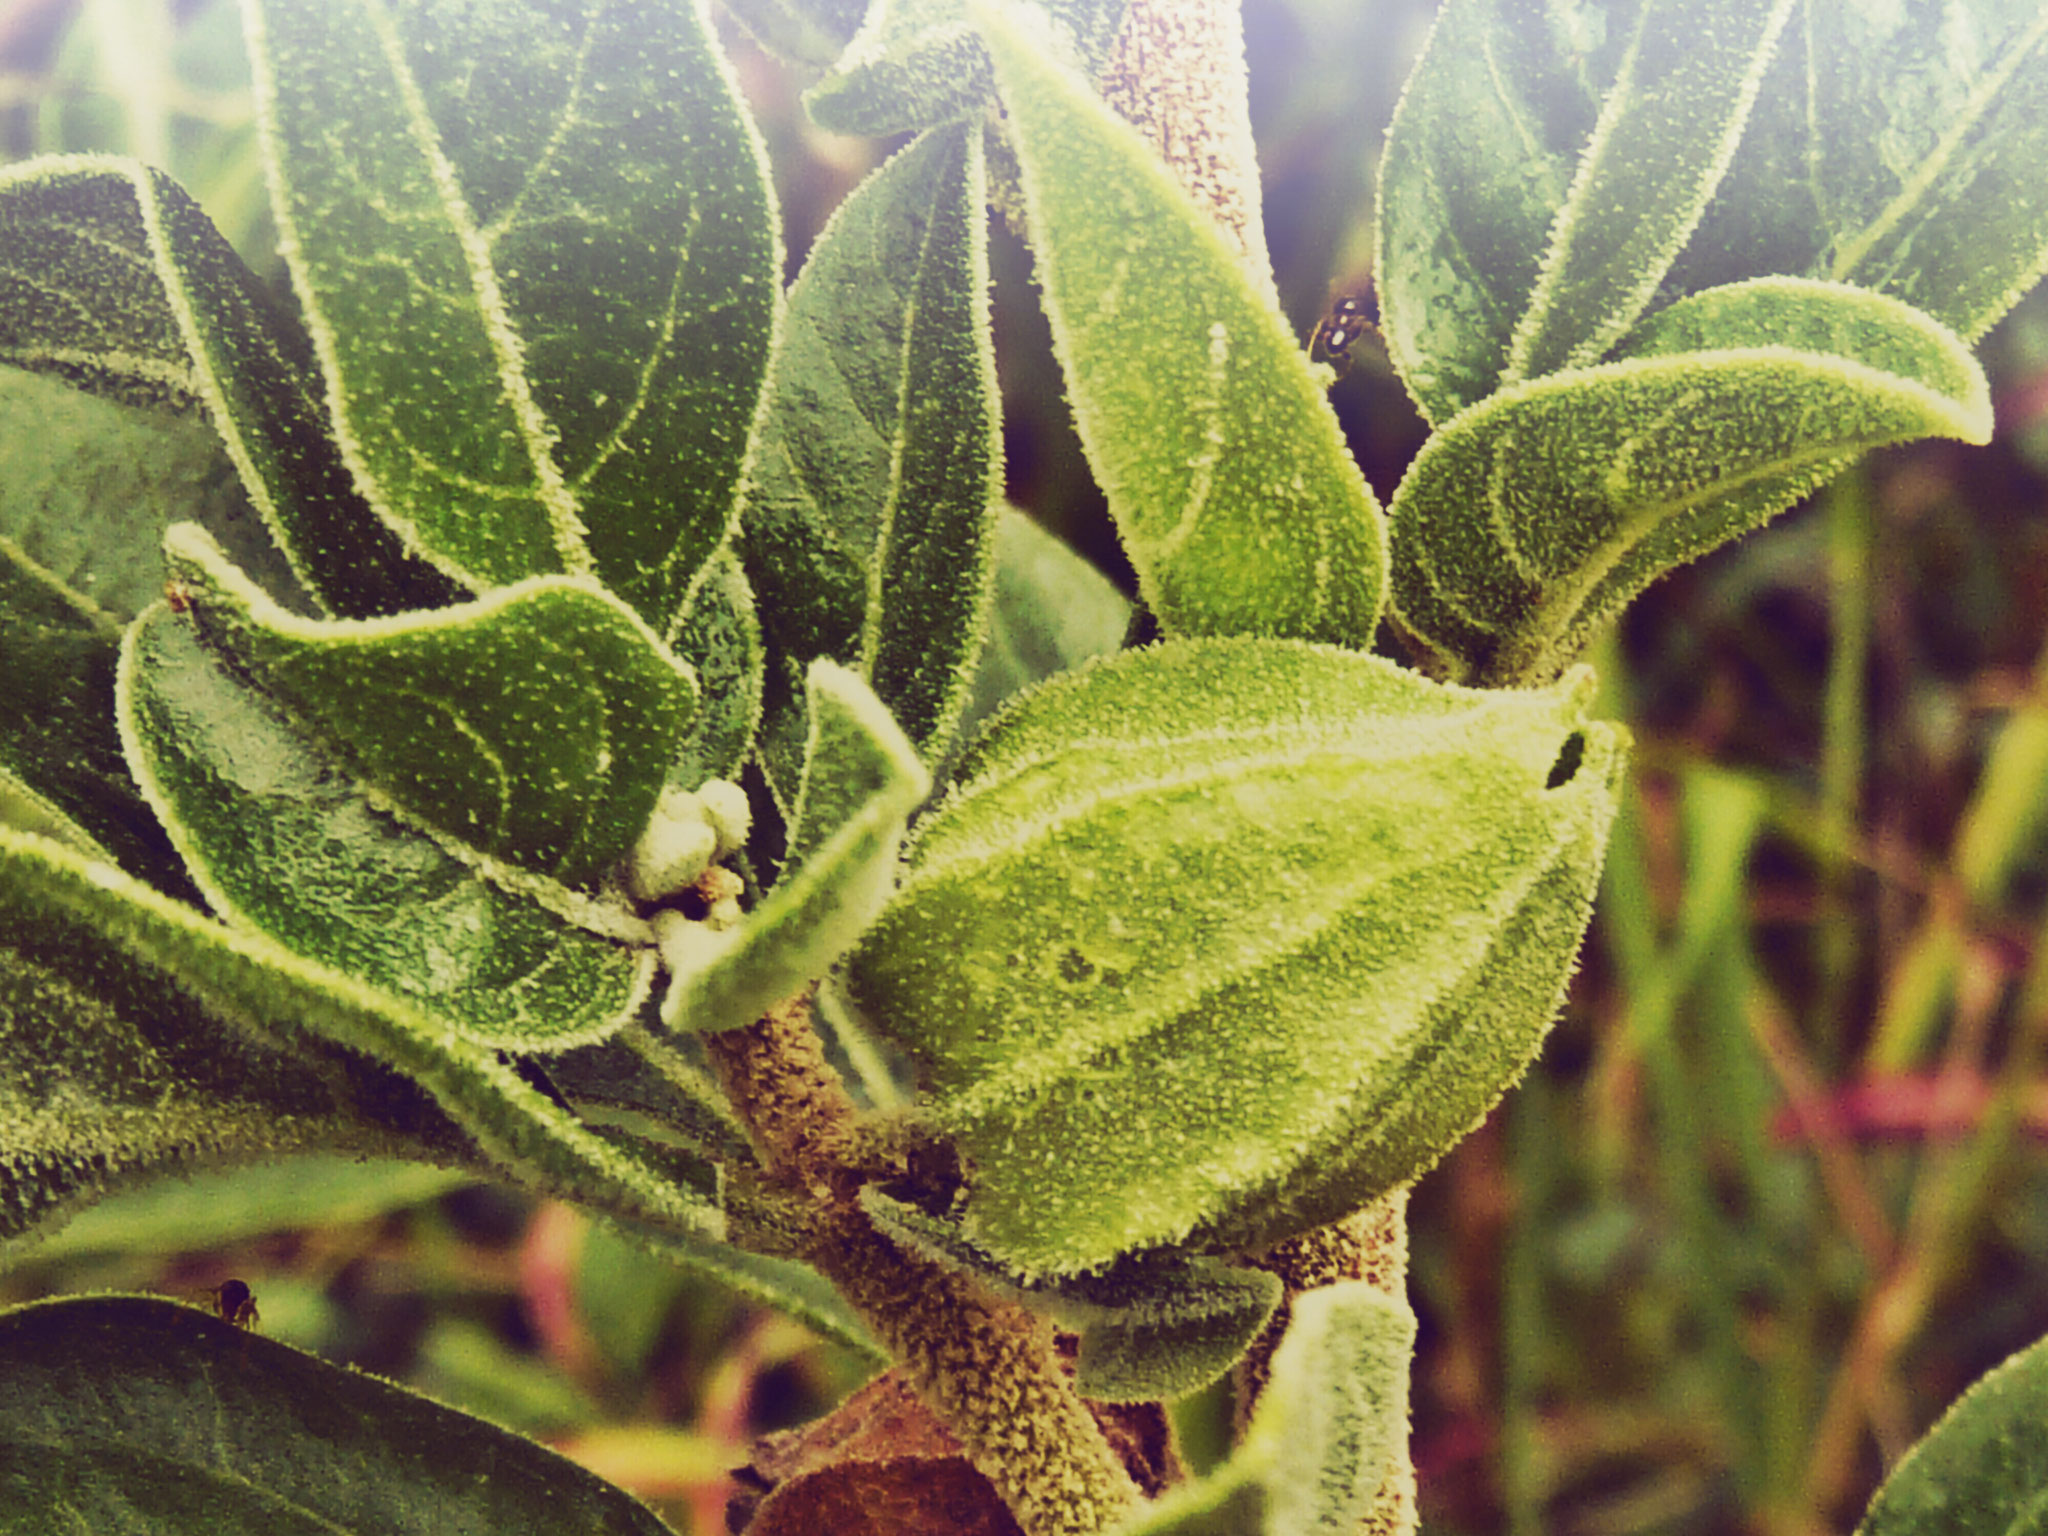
column 1775, row 1192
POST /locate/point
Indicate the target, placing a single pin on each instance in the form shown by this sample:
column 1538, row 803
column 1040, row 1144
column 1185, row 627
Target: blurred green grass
column 1773, row 1195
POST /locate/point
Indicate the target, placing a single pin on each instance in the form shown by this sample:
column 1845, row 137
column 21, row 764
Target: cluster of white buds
column 687, row 834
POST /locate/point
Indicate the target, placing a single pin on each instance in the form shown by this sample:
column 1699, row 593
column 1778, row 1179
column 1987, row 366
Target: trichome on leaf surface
column 555, row 705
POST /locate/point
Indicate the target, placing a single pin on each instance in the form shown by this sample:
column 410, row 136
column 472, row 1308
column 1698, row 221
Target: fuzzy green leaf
column 1207, row 427
column 862, row 779
column 869, row 526
column 1983, row 1469
column 721, row 639
column 58, row 745
column 1534, row 517
column 283, row 841
column 109, row 1068
column 105, row 920
column 129, row 1413
column 1052, row 611
column 535, row 725
column 1154, row 1327
column 1896, row 147
column 1157, row 955
column 915, row 63
column 113, row 279
column 1327, row 1445
column 1666, row 133
column 803, row 31
column 536, row 248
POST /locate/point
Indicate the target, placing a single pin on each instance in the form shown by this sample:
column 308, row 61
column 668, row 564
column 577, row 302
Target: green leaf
column 721, row 640
column 1480, row 156
column 862, row 779
column 802, row 31
column 869, row 526
column 538, row 254
column 110, row 1069
column 1154, row 1327
column 283, row 841
column 1895, row 147
column 1666, row 133
column 110, row 925
column 915, row 63
column 214, row 1208
column 1207, row 427
column 113, row 279
column 1983, row 1469
column 535, row 725
column 58, row 744
column 1157, row 958
column 1052, row 611
column 1534, row 517
column 1329, row 1439
column 130, row 1413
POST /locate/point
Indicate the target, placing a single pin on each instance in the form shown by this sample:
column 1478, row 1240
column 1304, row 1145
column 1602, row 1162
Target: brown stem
column 1371, row 1245
column 985, row 1367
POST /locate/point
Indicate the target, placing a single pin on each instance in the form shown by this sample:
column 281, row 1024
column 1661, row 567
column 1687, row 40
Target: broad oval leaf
column 114, row 280
column 537, row 252
column 1535, row 516
column 1157, row 955
column 1327, row 1447
column 869, row 520
column 862, row 779
column 1666, row 133
column 916, row 63
column 720, row 637
column 1208, row 429
column 110, row 1069
column 1894, row 147
column 388, row 1049
column 1152, row 1328
column 535, row 725
column 134, row 1413
column 1983, row 1469
column 283, row 841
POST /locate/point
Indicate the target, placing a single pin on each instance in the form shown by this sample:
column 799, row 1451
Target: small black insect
column 1331, row 341
column 235, row 1303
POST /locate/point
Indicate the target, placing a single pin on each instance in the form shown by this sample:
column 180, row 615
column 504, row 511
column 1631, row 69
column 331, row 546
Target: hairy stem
column 985, row 1367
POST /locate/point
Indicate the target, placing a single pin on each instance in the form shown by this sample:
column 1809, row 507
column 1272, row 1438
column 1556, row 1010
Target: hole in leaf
column 1075, row 966
column 1568, row 759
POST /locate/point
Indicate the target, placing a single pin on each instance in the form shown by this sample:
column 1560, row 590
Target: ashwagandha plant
column 474, row 715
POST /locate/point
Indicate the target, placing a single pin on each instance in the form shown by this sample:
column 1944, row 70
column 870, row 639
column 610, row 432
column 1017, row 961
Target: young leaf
column 869, row 522
column 282, row 840
column 1152, row 1328
column 1157, row 955
column 721, row 640
column 1983, row 1469
column 110, row 1069
column 1480, row 157
column 113, row 279
column 309, row 1009
column 538, row 255
column 134, row 1413
column 1894, row 147
column 862, row 780
column 915, row 63
column 1666, row 133
column 1209, row 430
column 1532, row 518
column 1328, row 1437
column 535, row 725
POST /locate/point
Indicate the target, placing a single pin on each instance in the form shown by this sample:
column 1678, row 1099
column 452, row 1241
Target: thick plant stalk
column 985, row 1367
column 1177, row 74
column 1371, row 1245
